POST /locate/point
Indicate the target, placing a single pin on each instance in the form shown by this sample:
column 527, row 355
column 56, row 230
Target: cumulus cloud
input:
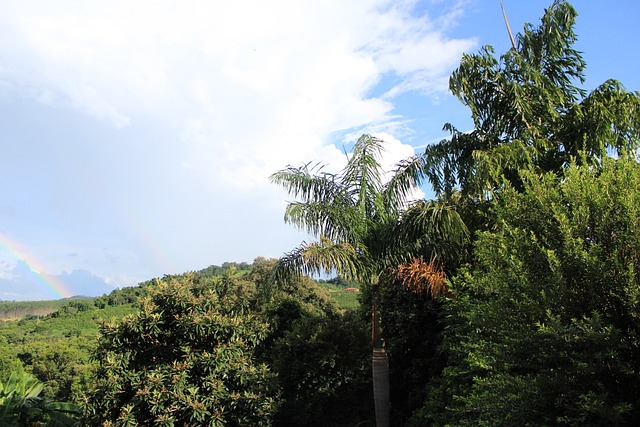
column 24, row 283
column 152, row 127
column 246, row 83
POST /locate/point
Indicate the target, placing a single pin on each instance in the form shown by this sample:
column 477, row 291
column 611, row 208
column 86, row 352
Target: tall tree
column 356, row 215
column 542, row 323
column 527, row 108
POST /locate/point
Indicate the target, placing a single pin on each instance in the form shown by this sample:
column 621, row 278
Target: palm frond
column 320, row 257
column 429, row 226
column 421, row 278
column 337, row 221
column 407, row 176
column 308, row 182
column 362, row 175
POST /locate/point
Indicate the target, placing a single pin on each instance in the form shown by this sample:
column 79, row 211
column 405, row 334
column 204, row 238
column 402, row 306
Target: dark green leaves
column 543, row 327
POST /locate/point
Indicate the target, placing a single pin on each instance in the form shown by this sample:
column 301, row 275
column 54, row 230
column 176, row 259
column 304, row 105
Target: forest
column 511, row 299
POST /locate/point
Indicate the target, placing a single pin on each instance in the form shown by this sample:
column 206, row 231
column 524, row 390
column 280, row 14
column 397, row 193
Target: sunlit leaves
column 185, row 358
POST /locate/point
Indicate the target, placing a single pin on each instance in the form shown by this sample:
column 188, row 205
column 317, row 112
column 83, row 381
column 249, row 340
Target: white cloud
column 249, row 82
column 203, row 101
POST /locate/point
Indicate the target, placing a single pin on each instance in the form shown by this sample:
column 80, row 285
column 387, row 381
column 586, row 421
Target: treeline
column 130, row 294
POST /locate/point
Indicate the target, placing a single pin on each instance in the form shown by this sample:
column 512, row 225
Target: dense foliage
column 542, row 329
column 528, row 109
column 21, row 404
column 185, row 358
column 55, row 348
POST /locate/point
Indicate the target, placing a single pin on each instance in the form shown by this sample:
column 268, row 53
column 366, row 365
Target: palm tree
column 365, row 224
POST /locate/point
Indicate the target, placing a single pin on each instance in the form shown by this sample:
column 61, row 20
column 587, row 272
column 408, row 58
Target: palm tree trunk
column 381, row 395
column 380, row 370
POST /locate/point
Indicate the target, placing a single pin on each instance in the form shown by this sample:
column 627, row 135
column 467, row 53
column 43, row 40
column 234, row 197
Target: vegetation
column 185, row 357
column 62, row 352
column 56, row 348
column 528, row 111
column 21, row 404
column 512, row 299
column 540, row 325
column 543, row 328
column 355, row 215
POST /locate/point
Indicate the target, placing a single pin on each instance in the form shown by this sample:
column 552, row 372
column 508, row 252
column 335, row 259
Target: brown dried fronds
column 422, row 278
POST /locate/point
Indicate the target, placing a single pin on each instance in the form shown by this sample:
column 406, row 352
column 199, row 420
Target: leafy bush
column 185, row 358
column 543, row 328
column 323, row 368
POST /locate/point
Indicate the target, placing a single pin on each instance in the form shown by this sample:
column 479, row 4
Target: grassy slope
column 56, row 348
column 346, row 298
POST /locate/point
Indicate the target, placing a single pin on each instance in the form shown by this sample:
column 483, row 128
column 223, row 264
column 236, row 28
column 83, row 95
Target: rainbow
column 143, row 236
column 55, row 287
column 138, row 228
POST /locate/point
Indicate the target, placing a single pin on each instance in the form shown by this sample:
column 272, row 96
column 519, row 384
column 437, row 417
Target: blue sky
column 137, row 137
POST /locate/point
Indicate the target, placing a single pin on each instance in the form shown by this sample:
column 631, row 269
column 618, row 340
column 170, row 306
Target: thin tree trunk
column 380, row 370
column 381, row 394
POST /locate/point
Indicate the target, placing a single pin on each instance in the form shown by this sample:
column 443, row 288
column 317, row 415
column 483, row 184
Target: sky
column 137, row 137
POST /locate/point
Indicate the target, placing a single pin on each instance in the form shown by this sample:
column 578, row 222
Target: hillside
column 12, row 310
column 54, row 339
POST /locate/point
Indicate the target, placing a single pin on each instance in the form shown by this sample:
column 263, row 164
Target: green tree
column 62, row 364
column 543, row 328
column 528, row 110
column 323, row 369
column 185, row 358
column 356, row 215
column 317, row 352
column 531, row 117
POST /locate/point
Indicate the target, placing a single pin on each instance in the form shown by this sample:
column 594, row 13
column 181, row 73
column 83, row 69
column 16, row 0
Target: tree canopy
column 528, row 108
column 185, row 358
column 542, row 329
